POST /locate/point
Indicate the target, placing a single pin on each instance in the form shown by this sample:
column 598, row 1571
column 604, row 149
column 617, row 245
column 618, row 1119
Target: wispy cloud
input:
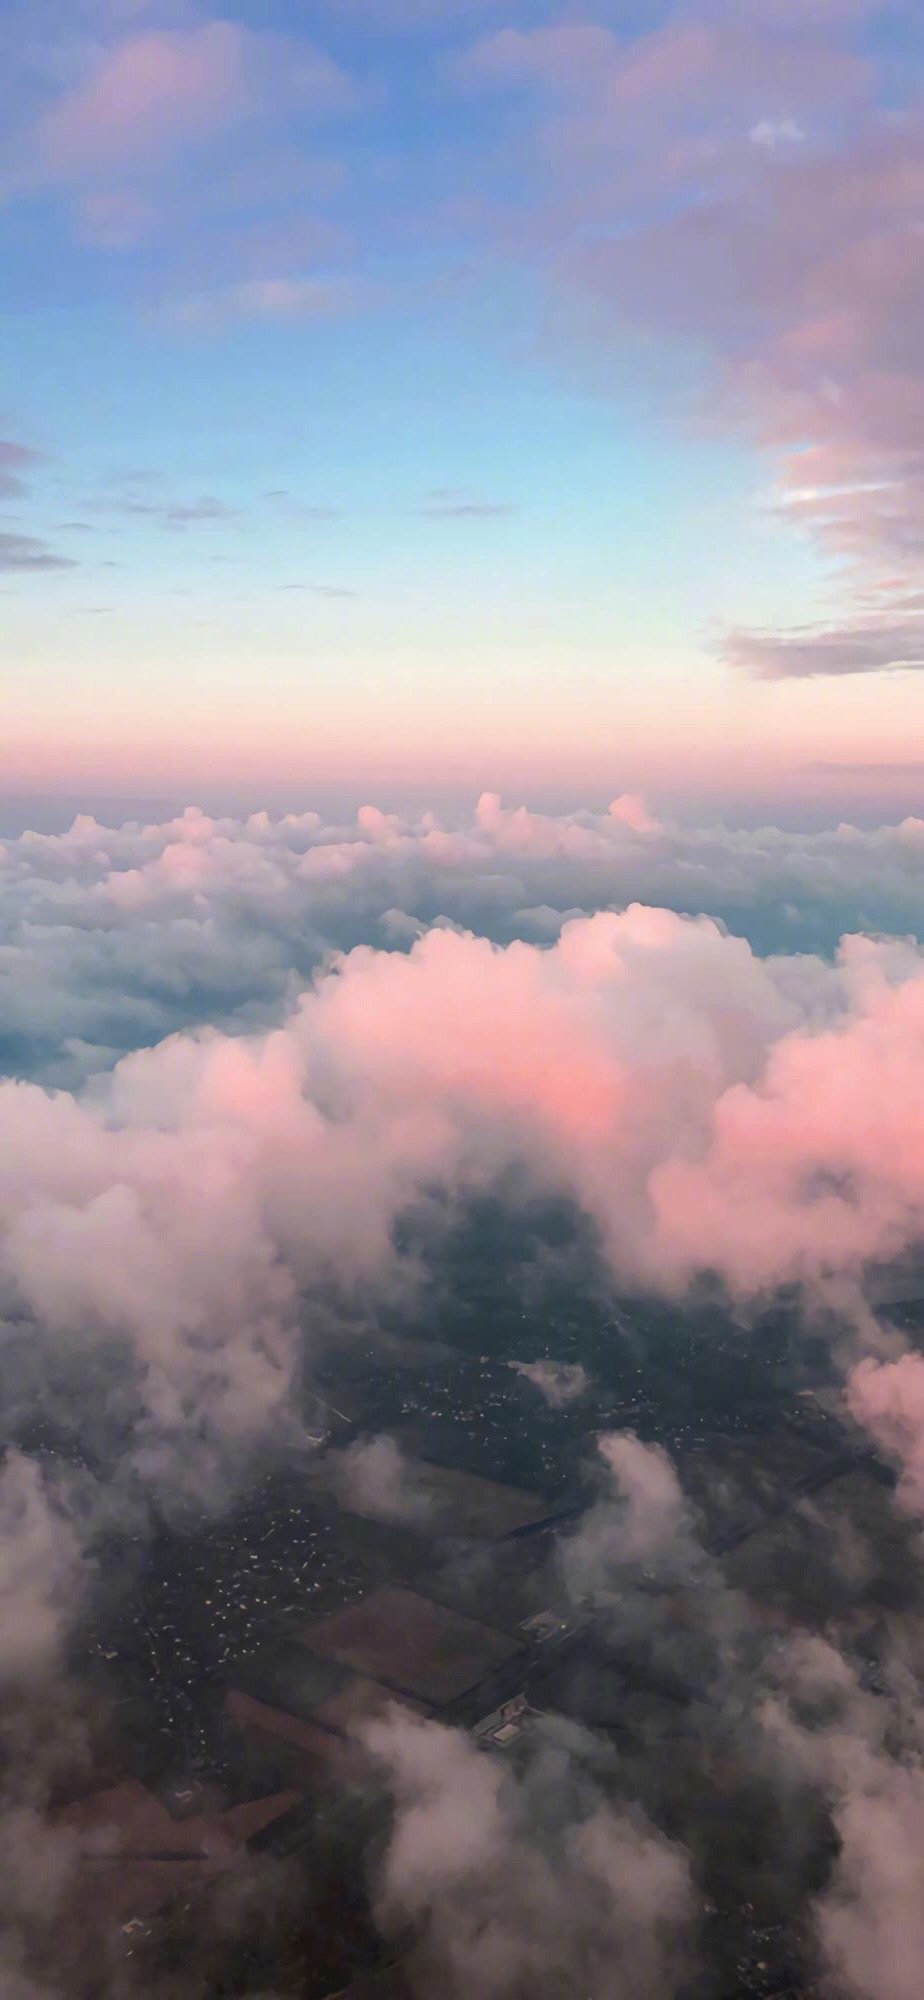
column 15, row 459
column 27, row 552
column 153, row 94
column 738, row 181
column 447, row 504
column 304, row 510
column 320, row 589
column 136, row 128
column 206, row 508
column 905, row 768
column 867, row 646
column 270, row 298
column 144, row 98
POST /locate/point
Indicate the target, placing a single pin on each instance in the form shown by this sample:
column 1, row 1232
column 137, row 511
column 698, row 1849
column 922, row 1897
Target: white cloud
column 509, row 1892
column 559, row 1382
column 773, row 132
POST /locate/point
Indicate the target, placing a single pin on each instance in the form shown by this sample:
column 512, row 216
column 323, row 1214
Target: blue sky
column 401, row 392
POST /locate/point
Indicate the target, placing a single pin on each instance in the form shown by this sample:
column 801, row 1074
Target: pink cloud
column 15, row 460
column 647, row 1058
column 563, row 57
column 162, row 91
column 389, row 15
column 887, row 1399
column 630, row 810
column 269, row 298
column 733, row 179
column 148, row 95
column 698, row 67
column 114, row 219
column 678, row 58
column 140, row 103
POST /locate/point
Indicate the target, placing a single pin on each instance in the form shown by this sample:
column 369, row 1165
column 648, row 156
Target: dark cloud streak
column 871, row 646
column 24, row 553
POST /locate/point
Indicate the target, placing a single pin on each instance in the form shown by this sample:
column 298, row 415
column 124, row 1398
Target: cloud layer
column 707, row 1109
column 174, row 1222
column 112, row 937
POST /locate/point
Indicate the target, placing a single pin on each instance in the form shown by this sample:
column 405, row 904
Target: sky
column 403, row 398
column 462, row 739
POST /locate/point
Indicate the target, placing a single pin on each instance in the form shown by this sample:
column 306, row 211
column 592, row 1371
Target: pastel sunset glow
column 412, row 398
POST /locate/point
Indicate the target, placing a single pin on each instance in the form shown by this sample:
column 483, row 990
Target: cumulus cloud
column 41, row 1574
column 187, row 1204
column 864, row 1755
column 513, row 1886
column 177, row 1208
column 43, row 1577
column 641, row 1518
column 484, row 1854
column 559, row 1382
column 168, row 1227
column 887, row 1399
column 113, row 937
column 776, row 132
column 630, row 810
column 664, row 1074
column 870, row 1920
column 374, row 1478
column 708, row 1110
column 809, row 1751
